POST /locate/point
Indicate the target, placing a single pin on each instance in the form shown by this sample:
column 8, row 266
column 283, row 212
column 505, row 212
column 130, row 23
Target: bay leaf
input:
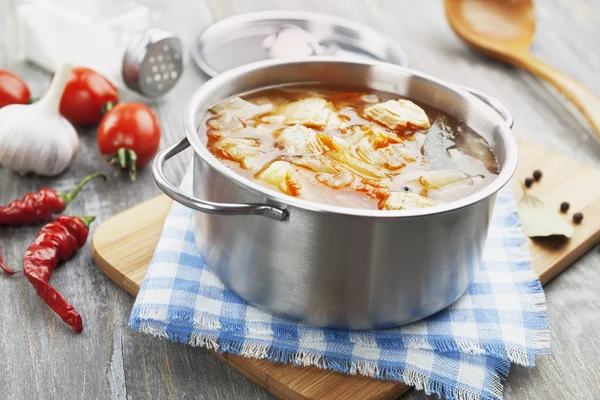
column 538, row 220
column 438, row 142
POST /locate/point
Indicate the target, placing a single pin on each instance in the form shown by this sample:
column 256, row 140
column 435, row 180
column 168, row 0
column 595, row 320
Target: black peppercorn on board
column 123, row 246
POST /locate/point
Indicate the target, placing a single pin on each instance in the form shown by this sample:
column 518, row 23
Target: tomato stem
column 124, row 159
column 107, row 107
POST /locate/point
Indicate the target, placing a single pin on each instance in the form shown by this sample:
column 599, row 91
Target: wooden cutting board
column 123, row 246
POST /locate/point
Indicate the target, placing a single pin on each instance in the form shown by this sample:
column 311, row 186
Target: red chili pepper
column 39, row 206
column 56, row 242
column 4, row 268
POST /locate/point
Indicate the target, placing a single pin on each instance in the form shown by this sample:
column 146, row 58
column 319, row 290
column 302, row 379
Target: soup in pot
column 349, row 147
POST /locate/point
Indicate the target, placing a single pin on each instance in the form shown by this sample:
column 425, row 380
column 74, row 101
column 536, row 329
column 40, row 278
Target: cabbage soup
column 349, row 147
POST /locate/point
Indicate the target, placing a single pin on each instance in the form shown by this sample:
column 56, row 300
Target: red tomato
column 129, row 135
column 13, row 89
column 85, row 95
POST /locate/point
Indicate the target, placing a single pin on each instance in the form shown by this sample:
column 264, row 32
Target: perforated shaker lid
column 152, row 63
column 251, row 37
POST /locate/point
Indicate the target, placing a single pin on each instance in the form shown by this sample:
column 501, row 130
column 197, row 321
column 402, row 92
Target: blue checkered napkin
column 463, row 352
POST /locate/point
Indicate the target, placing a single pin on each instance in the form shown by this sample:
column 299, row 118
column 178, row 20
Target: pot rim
column 199, row 97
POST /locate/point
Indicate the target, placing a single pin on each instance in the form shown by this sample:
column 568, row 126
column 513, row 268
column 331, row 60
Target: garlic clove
column 36, row 138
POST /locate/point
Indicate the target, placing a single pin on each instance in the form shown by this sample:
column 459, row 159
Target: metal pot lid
column 258, row 36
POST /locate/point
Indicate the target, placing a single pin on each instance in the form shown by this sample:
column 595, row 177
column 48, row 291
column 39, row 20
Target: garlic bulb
column 35, row 137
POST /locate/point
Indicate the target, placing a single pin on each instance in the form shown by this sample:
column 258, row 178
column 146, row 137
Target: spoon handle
column 584, row 99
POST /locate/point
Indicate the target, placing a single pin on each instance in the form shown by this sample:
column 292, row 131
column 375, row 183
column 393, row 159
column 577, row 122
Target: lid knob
column 291, row 41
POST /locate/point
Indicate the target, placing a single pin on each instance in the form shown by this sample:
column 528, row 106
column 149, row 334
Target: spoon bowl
column 505, row 30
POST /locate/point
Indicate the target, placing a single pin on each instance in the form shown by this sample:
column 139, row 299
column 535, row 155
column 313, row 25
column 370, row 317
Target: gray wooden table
column 42, row 358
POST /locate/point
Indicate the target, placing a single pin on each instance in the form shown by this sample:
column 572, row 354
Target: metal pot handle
column 208, row 207
column 492, row 103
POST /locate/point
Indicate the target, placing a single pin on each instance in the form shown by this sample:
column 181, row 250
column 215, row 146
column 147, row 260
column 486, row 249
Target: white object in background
column 92, row 34
column 99, row 35
column 8, row 33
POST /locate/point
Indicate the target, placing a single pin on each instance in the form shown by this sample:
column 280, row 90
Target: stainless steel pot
column 333, row 266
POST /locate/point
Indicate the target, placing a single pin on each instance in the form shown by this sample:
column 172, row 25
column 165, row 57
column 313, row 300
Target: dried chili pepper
column 39, row 206
column 4, row 268
column 56, row 242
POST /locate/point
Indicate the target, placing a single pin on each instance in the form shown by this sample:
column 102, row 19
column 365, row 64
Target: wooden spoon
column 504, row 29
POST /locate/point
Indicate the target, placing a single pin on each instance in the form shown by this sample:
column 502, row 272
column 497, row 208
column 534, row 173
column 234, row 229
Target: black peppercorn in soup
column 349, row 147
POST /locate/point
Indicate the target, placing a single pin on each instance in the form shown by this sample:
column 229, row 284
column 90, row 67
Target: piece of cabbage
column 334, row 142
column 242, row 150
column 298, row 139
column 370, row 98
column 439, row 179
column 398, row 114
column 368, row 153
column 336, row 181
column 405, row 201
column 391, row 157
column 359, row 167
column 313, row 163
column 272, row 119
column 380, row 137
column 282, row 175
column 397, row 156
column 313, row 112
column 226, row 122
column 241, row 108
